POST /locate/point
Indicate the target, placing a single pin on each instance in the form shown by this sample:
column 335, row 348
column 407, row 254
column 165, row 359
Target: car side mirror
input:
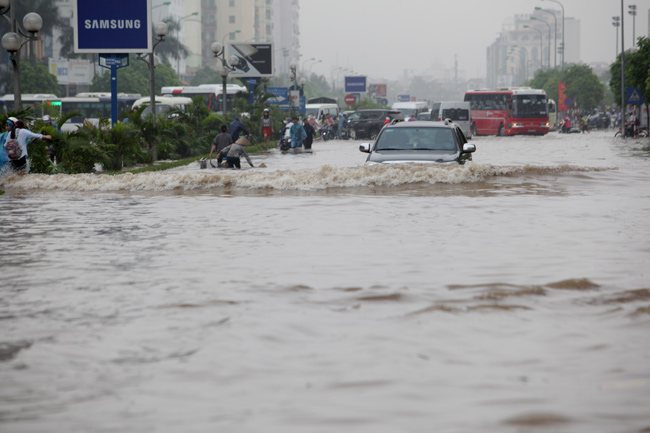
column 469, row 148
column 364, row 147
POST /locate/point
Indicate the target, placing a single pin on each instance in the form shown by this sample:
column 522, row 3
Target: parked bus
column 38, row 101
column 511, row 111
column 212, row 94
column 92, row 106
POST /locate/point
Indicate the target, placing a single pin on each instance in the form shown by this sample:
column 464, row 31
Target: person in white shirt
column 19, row 135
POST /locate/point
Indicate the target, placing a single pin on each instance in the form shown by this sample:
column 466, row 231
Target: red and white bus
column 512, row 111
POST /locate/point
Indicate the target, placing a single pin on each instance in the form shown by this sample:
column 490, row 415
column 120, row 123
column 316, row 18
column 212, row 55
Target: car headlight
column 544, row 125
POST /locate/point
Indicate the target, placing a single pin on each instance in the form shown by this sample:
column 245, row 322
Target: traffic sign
column 634, row 96
column 350, row 99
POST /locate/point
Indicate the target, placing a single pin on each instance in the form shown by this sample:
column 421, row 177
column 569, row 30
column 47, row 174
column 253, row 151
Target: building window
column 231, row 3
column 231, row 19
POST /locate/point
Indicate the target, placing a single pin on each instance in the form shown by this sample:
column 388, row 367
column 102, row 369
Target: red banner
column 562, row 102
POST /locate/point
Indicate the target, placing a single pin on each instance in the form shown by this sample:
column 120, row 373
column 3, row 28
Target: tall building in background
column 227, row 21
column 286, row 34
column 520, row 51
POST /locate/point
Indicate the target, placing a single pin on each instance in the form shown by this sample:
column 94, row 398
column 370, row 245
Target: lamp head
column 4, row 4
column 11, row 42
column 216, row 48
column 303, row 81
column 161, row 29
column 233, row 60
column 32, row 22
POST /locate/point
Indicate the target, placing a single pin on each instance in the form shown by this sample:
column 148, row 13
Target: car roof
column 425, row 124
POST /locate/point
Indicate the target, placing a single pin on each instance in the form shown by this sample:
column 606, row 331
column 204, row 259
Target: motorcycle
column 326, row 133
column 630, row 131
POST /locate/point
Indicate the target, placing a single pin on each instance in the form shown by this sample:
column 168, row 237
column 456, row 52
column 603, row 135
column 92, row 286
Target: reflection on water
column 510, row 294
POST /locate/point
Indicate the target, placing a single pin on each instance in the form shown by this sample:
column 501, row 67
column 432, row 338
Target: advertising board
column 255, row 60
column 355, row 84
column 116, row 26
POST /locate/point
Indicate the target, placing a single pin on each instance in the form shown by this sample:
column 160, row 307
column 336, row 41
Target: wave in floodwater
column 325, row 177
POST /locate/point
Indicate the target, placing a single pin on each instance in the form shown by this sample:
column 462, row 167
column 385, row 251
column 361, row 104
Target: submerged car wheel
column 473, row 130
column 373, row 134
column 501, row 132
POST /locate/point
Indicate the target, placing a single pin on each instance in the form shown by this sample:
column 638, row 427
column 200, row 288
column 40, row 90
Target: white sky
column 381, row 38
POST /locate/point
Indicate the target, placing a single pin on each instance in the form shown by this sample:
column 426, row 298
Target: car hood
column 419, row 156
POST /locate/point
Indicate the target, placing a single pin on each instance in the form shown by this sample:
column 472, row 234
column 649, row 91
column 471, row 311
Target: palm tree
column 172, row 47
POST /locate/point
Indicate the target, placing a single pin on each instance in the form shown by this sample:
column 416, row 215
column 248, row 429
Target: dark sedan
column 419, row 142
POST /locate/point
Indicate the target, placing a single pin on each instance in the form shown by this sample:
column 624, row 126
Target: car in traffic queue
column 424, row 142
column 368, row 123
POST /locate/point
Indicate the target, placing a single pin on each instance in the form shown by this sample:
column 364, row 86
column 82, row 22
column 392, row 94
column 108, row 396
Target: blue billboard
column 115, row 26
column 355, row 84
column 403, row 98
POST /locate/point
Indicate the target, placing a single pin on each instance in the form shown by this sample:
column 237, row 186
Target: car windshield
column 417, row 139
column 530, row 106
column 313, row 111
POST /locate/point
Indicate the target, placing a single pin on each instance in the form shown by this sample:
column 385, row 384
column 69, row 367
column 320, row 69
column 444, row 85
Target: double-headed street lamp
column 537, row 8
column 16, row 38
column 541, row 44
column 227, row 66
column 563, row 46
column 549, row 38
column 148, row 58
column 616, row 22
column 632, row 11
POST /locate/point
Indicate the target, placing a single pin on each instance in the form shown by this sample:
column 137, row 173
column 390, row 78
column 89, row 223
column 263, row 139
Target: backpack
column 13, row 149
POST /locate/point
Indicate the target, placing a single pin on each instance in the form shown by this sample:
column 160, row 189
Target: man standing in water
column 220, row 142
column 297, row 133
column 266, row 127
column 234, row 152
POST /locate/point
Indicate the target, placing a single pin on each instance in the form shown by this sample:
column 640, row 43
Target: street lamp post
column 632, row 11
column 161, row 30
column 32, row 22
column 178, row 63
column 563, row 46
column 616, row 22
column 302, row 68
column 541, row 40
column 537, row 8
column 549, row 38
column 227, row 66
column 312, row 65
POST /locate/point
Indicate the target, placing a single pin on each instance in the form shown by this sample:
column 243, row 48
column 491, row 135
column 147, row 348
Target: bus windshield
column 530, row 106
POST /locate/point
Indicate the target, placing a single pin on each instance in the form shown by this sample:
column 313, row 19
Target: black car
column 419, row 142
column 368, row 123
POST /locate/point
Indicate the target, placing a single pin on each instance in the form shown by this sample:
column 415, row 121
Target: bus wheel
column 474, row 133
column 501, row 132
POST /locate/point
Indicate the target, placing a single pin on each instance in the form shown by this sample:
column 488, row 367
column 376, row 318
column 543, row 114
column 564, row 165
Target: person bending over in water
column 234, row 152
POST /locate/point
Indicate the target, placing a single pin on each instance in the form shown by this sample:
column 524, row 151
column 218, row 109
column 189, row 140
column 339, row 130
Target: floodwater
column 511, row 294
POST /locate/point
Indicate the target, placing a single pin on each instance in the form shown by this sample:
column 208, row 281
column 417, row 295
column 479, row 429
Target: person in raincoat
column 298, row 133
column 236, row 128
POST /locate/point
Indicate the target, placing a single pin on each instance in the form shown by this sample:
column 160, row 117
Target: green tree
column 206, row 75
column 583, row 86
column 637, row 71
column 135, row 78
column 35, row 78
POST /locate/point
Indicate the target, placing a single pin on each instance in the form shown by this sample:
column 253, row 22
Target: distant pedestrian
column 236, row 128
column 297, row 133
column 584, row 126
column 266, row 127
column 412, row 118
column 343, row 124
column 309, row 134
column 4, row 159
column 221, row 141
column 16, row 144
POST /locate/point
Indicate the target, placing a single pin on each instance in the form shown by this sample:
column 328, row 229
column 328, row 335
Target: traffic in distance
column 502, row 112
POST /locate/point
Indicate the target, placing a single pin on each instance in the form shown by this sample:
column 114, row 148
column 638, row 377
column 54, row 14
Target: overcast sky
column 381, row 38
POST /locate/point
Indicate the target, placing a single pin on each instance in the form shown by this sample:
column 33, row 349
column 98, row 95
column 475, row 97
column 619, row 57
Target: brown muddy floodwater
column 317, row 295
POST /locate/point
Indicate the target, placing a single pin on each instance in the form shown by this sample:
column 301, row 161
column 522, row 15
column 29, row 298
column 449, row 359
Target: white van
column 318, row 110
column 163, row 104
column 408, row 108
column 459, row 112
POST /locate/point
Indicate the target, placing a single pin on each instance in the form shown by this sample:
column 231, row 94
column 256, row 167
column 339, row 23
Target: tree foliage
column 583, row 86
column 637, row 71
column 34, row 78
column 206, row 75
column 135, row 78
